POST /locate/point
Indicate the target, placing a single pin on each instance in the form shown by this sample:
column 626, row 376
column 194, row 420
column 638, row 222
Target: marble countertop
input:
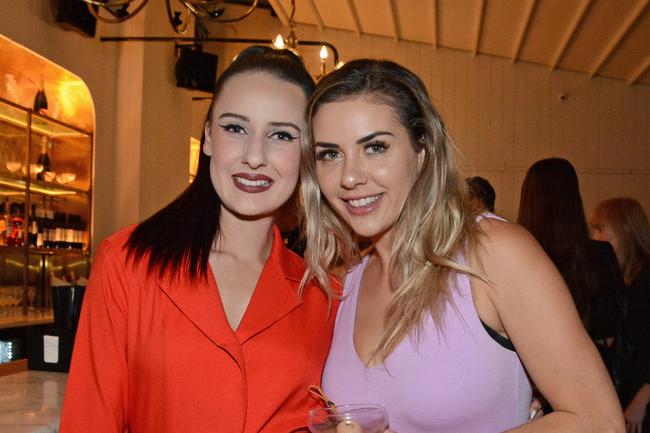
column 30, row 401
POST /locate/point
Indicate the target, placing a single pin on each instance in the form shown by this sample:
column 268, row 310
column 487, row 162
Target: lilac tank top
column 461, row 381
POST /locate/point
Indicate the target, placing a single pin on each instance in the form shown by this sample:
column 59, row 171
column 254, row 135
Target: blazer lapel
column 276, row 293
column 199, row 302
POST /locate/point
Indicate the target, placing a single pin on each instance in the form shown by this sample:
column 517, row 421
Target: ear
column 421, row 155
column 207, row 140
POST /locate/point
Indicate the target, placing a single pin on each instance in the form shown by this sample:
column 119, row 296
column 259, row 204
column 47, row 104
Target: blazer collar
column 276, row 293
column 275, row 296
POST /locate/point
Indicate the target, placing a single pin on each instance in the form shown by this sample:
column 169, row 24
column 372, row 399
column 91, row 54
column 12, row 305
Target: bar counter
column 30, row 401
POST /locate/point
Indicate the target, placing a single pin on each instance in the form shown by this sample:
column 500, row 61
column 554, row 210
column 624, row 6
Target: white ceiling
column 609, row 38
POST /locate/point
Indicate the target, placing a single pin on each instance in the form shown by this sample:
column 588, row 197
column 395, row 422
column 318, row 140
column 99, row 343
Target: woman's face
column 253, row 140
column 365, row 163
column 601, row 230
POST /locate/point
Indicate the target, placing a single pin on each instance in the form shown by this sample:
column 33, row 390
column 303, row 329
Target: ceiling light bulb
column 278, row 43
column 323, row 53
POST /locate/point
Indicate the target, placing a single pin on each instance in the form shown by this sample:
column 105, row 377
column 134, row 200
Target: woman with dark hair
column 194, row 320
column 622, row 222
column 551, row 209
column 449, row 313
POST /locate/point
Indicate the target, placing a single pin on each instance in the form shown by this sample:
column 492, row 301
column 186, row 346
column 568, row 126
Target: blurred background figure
column 622, row 222
column 481, row 194
column 551, row 209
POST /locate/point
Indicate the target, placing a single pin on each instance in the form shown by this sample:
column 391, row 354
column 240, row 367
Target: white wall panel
column 504, row 116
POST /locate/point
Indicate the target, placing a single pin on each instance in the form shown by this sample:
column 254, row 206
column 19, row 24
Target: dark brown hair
column 551, row 209
column 179, row 237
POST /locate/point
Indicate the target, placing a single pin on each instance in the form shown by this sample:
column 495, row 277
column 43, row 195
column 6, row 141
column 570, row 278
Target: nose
column 255, row 153
column 352, row 175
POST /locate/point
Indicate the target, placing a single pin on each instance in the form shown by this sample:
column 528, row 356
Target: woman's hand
column 635, row 411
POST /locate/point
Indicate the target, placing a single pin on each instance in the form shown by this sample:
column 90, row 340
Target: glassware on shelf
column 44, row 157
column 13, row 166
column 13, row 89
column 5, row 301
column 65, row 178
column 31, row 298
column 48, row 176
column 36, row 170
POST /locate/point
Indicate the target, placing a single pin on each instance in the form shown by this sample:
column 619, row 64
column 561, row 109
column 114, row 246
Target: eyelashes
column 284, row 136
column 326, row 155
column 376, row 146
column 371, row 148
column 233, row 128
column 280, row 135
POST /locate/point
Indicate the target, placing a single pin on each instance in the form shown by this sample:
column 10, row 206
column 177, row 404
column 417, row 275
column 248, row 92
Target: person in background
column 193, row 320
column 447, row 315
column 551, row 209
column 622, row 222
column 481, row 194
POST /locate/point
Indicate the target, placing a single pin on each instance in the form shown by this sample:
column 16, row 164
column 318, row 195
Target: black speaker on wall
column 74, row 15
column 196, row 69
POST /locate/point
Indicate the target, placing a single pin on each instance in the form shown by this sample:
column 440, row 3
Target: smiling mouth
column 363, row 202
column 252, row 183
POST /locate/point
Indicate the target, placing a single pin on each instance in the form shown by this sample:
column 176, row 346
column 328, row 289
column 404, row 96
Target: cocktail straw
column 317, row 392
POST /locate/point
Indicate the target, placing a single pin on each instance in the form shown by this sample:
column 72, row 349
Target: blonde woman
column 622, row 222
column 446, row 315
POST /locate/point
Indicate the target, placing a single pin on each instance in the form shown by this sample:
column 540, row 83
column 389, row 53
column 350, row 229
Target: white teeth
column 252, row 182
column 364, row 201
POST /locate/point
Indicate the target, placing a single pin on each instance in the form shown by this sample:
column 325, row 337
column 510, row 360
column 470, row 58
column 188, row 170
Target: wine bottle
column 3, row 225
column 40, row 100
column 43, row 158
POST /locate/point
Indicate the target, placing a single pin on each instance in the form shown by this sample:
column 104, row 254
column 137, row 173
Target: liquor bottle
column 3, row 225
column 16, row 237
column 44, row 158
column 33, row 233
column 8, row 225
column 40, row 100
column 33, row 228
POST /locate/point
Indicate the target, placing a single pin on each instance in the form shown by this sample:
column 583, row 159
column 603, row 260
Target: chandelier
column 117, row 11
column 291, row 42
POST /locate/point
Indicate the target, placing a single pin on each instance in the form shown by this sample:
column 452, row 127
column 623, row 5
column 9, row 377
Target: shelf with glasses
column 45, row 204
column 14, row 183
column 15, row 115
column 43, row 250
column 42, row 316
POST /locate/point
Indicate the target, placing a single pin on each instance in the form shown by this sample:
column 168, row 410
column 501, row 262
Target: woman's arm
column 96, row 392
column 535, row 309
column 636, row 409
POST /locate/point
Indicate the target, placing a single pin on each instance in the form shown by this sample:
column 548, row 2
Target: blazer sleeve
column 97, row 388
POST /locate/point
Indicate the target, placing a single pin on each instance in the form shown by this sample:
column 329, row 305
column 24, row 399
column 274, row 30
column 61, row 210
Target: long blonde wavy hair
column 435, row 226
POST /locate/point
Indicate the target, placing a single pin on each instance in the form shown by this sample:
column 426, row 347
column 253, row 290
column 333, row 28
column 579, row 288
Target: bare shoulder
column 503, row 244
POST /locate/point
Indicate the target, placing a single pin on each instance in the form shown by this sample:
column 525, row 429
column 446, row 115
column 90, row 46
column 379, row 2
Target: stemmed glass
column 349, row 418
column 31, row 297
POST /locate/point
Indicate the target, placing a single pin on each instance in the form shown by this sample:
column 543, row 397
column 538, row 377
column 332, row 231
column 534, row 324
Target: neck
column 382, row 246
column 246, row 239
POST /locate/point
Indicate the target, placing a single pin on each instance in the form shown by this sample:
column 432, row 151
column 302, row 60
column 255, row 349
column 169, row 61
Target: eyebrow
column 289, row 124
column 359, row 141
column 373, row 135
column 236, row 116
column 246, row 119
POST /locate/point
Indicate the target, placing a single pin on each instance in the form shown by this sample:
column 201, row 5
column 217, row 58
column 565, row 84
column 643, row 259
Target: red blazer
column 154, row 356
